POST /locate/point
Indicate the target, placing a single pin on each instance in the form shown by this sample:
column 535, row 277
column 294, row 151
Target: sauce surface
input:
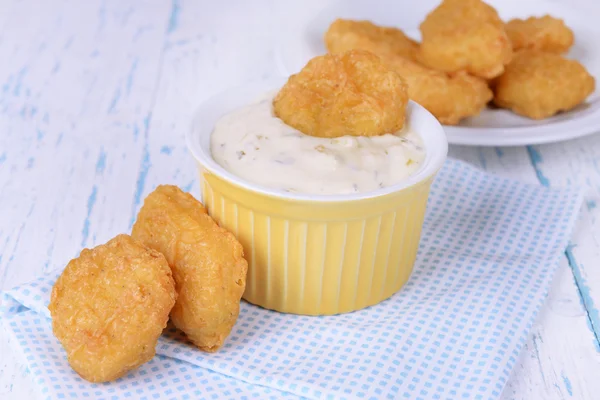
column 255, row 145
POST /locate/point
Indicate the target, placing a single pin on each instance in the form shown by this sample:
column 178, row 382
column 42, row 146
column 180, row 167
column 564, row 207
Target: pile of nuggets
column 467, row 57
column 111, row 304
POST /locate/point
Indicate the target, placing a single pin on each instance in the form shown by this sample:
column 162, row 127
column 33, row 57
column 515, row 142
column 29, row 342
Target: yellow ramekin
column 315, row 254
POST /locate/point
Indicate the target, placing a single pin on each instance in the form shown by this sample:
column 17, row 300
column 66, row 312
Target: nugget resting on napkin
column 110, row 305
column 207, row 261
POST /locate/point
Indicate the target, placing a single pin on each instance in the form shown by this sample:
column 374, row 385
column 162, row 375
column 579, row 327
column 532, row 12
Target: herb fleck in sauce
column 257, row 146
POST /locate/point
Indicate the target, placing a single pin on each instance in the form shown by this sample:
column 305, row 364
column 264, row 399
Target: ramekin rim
column 435, row 155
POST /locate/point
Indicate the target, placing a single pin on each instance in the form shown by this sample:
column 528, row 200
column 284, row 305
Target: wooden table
column 95, row 97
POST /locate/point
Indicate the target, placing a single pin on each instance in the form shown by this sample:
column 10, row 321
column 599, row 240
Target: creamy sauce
column 257, row 146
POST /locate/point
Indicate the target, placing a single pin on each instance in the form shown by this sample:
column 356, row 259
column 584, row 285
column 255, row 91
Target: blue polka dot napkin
column 489, row 250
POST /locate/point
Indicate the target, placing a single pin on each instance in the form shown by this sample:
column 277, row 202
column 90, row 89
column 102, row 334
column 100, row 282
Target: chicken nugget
column 344, row 35
column 537, row 84
column 465, row 35
column 540, row 33
column 448, row 98
column 110, row 305
column 352, row 93
column 207, row 263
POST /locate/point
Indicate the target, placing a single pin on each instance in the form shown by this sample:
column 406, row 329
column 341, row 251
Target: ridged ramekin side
column 317, row 258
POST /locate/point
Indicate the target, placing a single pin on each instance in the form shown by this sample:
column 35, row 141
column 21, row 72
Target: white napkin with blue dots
column 489, row 250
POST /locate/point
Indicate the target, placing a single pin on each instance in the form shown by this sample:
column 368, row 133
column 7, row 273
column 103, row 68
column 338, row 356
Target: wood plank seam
column 586, row 301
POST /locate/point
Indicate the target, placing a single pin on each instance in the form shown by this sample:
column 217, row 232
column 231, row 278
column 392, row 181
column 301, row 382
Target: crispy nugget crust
column 538, row 84
column 352, row 93
column 207, row 263
column 448, row 98
column 540, row 33
column 110, row 305
column 465, row 35
column 344, row 35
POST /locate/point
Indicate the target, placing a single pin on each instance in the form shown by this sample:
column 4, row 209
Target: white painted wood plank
column 208, row 49
column 509, row 162
column 74, row 100
column 560, row 360
column 74, row 119
column 577, row 163
column 15, row 380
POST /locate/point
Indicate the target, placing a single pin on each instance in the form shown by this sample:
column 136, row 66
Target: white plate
column 493, row 127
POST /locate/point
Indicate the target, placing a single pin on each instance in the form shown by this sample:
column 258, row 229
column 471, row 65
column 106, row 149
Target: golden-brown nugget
column 351, row 93
column 540, row 33
column 207, row 263
column 537, row 84
column 110, row 305
column 465, row 35
column 344, row 35
column 449, row 98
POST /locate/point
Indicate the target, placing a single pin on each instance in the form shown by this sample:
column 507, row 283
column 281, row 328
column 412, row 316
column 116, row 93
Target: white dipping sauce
column 255, row 145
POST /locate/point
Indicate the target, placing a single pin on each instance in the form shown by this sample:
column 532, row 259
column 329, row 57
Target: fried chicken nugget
column 207, row 263
column 448, row 98
column 344, row 35
column 351, row 93
column 110, row 305
column 537, row 84
column 465, row 35
column 540, row 33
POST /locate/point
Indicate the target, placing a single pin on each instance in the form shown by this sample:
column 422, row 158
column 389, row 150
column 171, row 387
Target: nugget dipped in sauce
column 352, row 93
column 207, row 262
column 538, row 84
column 110, row 305
column 465, row 35
column 540, row 33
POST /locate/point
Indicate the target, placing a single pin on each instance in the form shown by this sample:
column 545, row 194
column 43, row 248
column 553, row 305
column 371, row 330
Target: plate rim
column 553, row 132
